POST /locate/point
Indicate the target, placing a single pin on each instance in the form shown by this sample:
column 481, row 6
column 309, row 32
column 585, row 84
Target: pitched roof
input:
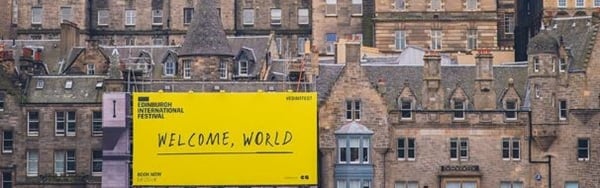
column 206, row 35
column 396, row 75
column 83, row 89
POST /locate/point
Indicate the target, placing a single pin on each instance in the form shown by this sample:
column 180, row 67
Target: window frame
column 400, row 8
column 562, row 3
column 406, row 184
column 353, row 109
column 39, row 84
column 579, row 3
column 301, row 42
column 458, row 149
column 187, row 68
column 472, row 36
column 471, row 5
column 32, row 162
column 69, row 120
column 169, row 68
column 330, row 44
column 276, row 19
column 8, row 144
column 243, row 68
column 347, row 182
column 563, row 110
column 157, row 14
column 248, row 16
column 103, row 17
column 585, row 149
column 400, row 40
column 511, row 184
column 408, row 110
column 436, row 39
column 223, row 73
column 95, row 161
column 2, row 101
column 62, row 15
column 438, row 5
column 536, row 64
column 459, row 111
column 562, row 65
column 404, row 149
column 512, row 147
column 188, row 15
column 65, row 162
column 6, row 182
column 97, row 121
column 90, row 69
column 30, row 121
column 303, row 19
column 130, row 17
column 512, row 111
column 345, row 148
column 571, row 182
column 509, row 23
column 596, row 3
column 358, row 5
column 37, row 15
column 331, row 7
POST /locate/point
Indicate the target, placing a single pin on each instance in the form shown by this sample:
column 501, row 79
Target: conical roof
column 206, row 37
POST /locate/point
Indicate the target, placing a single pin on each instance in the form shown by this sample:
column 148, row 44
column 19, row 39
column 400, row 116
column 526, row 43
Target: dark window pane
column 343, row 155
column 365, row 154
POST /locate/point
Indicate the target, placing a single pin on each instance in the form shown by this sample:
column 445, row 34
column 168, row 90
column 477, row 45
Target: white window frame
column 187, row 69
column 130, row 17
column 39, row 84
column 472, row 39
column 471, row 4
column 188, row 12
column 330, row 45
column 400, row 39
column 347, row 143
column 586, row 149
column 91, row 69
column 403, row 109
column 157, row 15
column 66, row 15
column 279, row 45
column 459, row 148
column 511, row 184
column 510, row 110
column 536, row 64
column 6, row 181
column 65, row 162
column 353, row 110
column 103, row 17
column 97, row 123
column 596, row 3
column 563, row 110
column 537, row 91
column 276, row 16
column 33, row 158
column 169, row 68
column 572, row 183
column 512, row 147
column 68, row 119
column 562, row 64
column 579, row 3
column 303, row 16
column 358, row 5
column 404, row 149
column 223, row 74
column 436, row 39
column 436, row 5
column 37, row 15
column 300, row 45
column 353, row 183
column 400, row 4
column 8, row 144
column 243, row 68
column 406, row 184
column 458, row 111
column 330, row 7
column 248, row 16
column 561, row 3
column 31, row 121
column 96, row 160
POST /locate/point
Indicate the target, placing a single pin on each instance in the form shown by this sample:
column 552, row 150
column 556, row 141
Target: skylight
column 69, row 84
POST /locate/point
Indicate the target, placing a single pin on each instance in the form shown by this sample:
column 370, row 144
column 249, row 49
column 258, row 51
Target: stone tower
column 206, row 49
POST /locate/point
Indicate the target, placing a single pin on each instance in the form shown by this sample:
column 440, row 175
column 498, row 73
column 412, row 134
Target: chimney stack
column 484, row 94
column 433, row 93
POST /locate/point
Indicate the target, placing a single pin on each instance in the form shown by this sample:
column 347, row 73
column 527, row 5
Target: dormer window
column 536, row 64
column 39, row 84
column 69, row 84
column 459, row 108
column 510, row 107
column 91, row 69
column 169, row 68
column 243, row 68
column 406, row 107
column 562, row 64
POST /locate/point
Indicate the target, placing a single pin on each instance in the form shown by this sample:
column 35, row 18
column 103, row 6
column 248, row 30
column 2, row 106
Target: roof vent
column 99, row 85
column 574, row 24
column 69, row 84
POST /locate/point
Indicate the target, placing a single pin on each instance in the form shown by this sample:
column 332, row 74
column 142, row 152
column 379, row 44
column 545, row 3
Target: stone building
column 517, row 125
column 446, row 26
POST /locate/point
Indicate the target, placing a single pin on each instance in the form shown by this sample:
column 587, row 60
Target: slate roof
column 50, row 54
column 206, row 35
column 83, row 90
column 578, row 35
column 396, row 75
column 258, row 44
column 157, row 53
column 353, row 128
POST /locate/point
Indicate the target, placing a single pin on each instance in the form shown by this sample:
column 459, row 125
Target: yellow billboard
column 219, row 139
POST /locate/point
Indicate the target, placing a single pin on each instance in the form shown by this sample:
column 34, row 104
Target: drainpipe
column 548, row 162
